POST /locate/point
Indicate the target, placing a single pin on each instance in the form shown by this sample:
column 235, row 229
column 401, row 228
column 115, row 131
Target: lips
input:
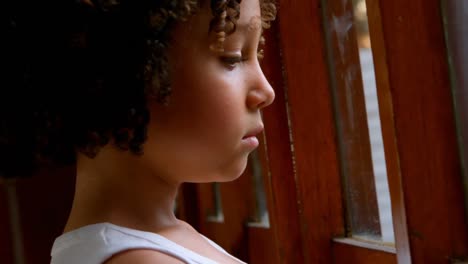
column 254, row 132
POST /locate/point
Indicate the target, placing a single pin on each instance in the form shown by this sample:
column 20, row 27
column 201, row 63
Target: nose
column 261, row 94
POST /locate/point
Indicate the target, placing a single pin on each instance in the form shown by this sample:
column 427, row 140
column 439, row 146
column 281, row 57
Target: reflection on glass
column 373, row 119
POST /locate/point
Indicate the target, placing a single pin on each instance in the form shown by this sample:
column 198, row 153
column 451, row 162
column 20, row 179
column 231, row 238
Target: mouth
column 254, row 132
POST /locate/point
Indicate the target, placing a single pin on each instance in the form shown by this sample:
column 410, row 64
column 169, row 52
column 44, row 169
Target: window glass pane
column 373, row 120
column 362, row 156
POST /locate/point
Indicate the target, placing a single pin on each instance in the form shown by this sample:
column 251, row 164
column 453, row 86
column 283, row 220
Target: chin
column 218, row 177
column 227, row 172
column 233, row 172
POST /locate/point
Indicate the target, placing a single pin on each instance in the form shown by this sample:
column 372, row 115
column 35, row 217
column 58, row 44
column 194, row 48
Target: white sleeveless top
column 94, row 244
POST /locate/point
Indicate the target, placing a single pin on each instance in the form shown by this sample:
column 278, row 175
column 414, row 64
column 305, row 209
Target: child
column 143, row 96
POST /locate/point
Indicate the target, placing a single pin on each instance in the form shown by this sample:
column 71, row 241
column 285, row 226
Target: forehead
column 250, row 18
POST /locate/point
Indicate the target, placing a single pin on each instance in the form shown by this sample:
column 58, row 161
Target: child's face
column 215, row 103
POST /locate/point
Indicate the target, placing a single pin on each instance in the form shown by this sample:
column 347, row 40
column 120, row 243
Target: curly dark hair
column 79, row 74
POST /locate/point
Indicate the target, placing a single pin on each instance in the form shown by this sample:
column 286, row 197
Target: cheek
column 211, row 119
column 208, row 103
column 197, row 149
column 202, row 126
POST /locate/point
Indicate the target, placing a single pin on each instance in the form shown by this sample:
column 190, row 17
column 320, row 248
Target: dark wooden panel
column 283, row 204
column 312, row 128
column 425, row 129
column 262, row 246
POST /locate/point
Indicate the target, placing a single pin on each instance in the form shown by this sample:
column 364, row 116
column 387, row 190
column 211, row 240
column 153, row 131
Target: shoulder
column 142, row 256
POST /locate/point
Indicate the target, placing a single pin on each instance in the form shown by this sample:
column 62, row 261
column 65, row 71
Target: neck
column 114, row 188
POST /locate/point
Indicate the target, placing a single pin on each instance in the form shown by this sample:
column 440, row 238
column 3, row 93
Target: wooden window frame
column 421, row 167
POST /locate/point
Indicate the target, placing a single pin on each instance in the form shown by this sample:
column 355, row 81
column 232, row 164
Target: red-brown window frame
column 424, row 171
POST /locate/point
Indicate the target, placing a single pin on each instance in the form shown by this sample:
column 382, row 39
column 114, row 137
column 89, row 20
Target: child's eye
column 231, row 61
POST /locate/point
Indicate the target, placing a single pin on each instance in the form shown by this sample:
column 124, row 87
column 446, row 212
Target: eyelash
column 232, row 61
